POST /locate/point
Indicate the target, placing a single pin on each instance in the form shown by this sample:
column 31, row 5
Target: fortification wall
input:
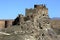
column 8, row 23
column 2, row 24
column 5, row 23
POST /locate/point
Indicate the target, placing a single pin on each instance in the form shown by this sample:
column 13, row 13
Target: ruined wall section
column 31, row 13
column 5, row 23
column 8, row 23
column 2, row 24
column 19, row 19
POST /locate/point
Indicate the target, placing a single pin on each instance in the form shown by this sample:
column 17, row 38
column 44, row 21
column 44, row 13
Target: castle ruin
column 39, row 11
column 35, row 25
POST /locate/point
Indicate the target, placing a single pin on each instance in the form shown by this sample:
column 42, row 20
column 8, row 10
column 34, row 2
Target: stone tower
column 42, row 16
column 39, row 14
column 19, row 19
column 39, row 11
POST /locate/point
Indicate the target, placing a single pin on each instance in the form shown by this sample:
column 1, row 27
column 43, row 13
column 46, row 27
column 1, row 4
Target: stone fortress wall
column 2, row 24
column 29, row 15
column 5, row 23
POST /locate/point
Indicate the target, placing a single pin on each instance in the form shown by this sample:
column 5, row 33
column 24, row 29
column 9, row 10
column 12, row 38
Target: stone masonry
column 35, row 25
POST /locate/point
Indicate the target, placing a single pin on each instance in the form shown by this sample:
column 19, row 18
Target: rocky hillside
column 29, row 31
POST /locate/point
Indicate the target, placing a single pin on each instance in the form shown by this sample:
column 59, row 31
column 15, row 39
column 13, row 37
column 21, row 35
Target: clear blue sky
column 9, row 9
